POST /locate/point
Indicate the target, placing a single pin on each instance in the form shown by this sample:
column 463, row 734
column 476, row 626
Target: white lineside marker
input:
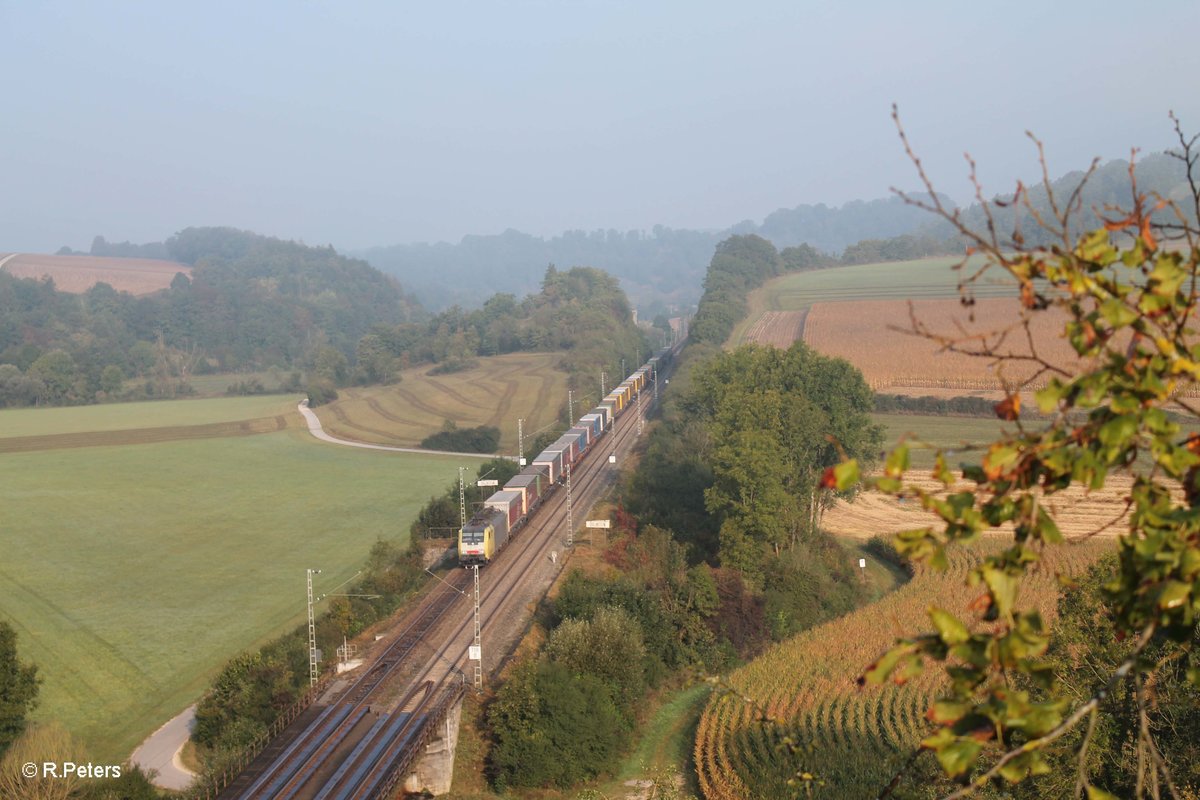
column 862, row 563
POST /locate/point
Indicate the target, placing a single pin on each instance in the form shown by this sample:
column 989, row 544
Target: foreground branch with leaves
column 1128, row 293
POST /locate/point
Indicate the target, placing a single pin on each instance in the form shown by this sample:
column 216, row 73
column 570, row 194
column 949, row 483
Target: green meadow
column 952, row 433
column 150, row 414
column 131, row 573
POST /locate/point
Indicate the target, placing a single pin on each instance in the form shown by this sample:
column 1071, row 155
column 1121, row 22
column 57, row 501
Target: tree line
column 255, row 303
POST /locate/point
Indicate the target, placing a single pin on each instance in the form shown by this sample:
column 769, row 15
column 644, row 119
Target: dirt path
column 160, row 752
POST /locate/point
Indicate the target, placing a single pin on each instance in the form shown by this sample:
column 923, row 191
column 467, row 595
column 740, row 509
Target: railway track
column 365, row 741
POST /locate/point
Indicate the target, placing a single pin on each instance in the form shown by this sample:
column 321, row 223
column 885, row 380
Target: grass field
column 497, row 392
column 132, row 573
column 947, row 432
column 22, row 422
column 924, row 278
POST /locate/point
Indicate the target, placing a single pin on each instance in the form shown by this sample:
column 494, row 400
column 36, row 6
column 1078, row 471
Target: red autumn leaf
column 1009, row 408
column 981, row 603
column 1120, row 224
column 1147, row 234
column 828, row 479
column 1028, row 298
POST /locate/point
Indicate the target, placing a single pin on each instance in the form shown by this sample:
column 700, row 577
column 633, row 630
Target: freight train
column 507, row 510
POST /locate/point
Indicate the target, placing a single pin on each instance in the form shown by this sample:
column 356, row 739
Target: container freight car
column 508, row 509
column 531, row 482
column 595, row 425
column 583, row 432
column 511, row 503
column 552, row 460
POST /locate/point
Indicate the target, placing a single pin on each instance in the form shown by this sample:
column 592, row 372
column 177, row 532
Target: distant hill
column 233, row 300
column 1107, row 188
column 78, row 273
column 660, row 270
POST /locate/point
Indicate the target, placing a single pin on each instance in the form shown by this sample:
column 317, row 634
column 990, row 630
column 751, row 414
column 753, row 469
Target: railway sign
column 488, row 482
column 475, row 652
column 522, row 461
column 612, row 459
column 862, row 563
column 598, row 523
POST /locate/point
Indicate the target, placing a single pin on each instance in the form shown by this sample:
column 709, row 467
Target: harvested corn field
column 777, row 328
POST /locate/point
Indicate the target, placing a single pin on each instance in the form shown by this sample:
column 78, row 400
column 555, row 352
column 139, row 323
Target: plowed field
column 77, row 274
column 875, row 336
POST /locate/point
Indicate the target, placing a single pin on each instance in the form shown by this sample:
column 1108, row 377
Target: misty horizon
column 372, row 127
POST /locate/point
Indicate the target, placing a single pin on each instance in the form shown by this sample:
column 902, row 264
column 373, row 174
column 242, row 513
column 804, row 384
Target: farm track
column 384, row 437
column 506, row 400
column 374, row 404
column 174, row 433
column 446, row 390
column 418, row 403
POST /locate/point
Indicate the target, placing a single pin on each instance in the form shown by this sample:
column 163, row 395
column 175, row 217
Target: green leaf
column 1003, row 588
column 941, row 472
column 948, row 626
column 1096, row 793
column 897, row 460
column 1118, row 431
column 846, row 474
column 957, row 756
column 881, row 670
column 1049, row 396
column 1174, row 594
column 946, row 712
column 1117, row 313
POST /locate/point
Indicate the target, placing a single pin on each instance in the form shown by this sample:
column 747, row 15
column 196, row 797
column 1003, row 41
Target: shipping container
column 511, row 503
column 530, row 484
column 569, row 444
column 552, row 460
column 584, row 431
column 594, row 422
column 605, row 414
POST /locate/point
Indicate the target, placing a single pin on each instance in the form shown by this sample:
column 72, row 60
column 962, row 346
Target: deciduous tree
column 1128, row 292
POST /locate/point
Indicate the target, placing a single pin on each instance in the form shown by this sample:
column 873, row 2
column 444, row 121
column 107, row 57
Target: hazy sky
column 363, row 124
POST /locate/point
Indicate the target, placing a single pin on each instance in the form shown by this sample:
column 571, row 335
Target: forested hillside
column 252, row 302
column 581, row 311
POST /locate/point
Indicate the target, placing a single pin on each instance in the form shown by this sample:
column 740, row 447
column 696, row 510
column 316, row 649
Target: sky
column 360, row 124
